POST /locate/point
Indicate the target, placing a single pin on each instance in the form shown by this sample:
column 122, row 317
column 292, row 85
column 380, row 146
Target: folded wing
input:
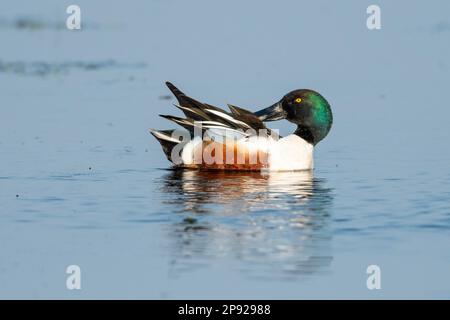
column 221, row 125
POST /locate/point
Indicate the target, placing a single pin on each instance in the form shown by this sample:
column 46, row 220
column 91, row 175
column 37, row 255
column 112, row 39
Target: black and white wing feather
column 218, row 122
column 211, row 117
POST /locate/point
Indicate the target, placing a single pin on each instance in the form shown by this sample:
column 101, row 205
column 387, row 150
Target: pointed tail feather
column 166, row 140
column 185, row 123
column 192, row 108
column 176, row 92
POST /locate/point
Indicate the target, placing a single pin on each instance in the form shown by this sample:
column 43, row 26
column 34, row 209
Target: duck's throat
column 306, row 134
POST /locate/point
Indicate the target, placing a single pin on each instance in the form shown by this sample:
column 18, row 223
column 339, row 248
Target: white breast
column 291, row 153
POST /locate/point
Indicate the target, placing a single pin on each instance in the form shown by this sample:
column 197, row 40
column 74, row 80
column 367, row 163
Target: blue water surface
column 83, row 182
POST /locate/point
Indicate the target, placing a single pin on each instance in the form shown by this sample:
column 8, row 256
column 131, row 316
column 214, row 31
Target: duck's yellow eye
column 298, row 100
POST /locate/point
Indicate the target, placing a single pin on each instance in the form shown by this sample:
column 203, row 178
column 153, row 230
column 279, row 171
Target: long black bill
column 272, row 113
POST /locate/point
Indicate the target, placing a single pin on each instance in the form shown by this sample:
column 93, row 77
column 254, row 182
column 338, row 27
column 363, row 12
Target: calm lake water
column 83, row 182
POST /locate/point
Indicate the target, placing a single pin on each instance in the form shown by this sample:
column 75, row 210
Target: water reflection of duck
column 266, row 221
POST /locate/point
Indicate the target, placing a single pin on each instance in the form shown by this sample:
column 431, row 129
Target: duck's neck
column 305, row 133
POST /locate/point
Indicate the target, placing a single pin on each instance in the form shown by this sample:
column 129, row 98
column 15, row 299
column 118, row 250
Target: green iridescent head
column 306, row 108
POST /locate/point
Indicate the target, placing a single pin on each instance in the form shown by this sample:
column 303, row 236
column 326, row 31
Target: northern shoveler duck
column 239, row 139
